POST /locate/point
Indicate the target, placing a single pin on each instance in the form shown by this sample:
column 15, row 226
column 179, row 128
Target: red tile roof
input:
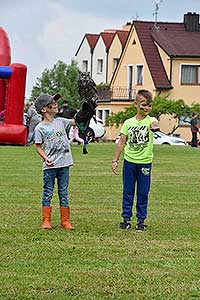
column 92, row 39
column 122, row 34
column 153, row 59
column 176, row 43
column 107, row 38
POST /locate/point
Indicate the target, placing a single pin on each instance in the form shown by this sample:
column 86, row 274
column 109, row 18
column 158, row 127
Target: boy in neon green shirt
column 137, row 137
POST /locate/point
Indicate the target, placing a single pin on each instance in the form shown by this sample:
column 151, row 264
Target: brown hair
column 145, row 93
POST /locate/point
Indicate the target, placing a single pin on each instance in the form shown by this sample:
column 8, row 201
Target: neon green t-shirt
column 139, row 146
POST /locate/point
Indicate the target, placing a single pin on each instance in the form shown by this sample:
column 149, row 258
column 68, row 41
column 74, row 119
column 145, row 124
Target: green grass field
column 97, row 260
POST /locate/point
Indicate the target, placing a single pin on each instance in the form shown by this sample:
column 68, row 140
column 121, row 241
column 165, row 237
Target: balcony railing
column 116, row 93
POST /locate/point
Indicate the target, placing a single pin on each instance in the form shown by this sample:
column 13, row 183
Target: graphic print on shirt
column 138, row 137
column 56, row 144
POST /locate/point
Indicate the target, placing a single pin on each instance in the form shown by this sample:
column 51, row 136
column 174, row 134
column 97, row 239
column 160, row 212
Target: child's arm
column 41, row 152
column 118, row 149
column 73, row 123
column 154, row 125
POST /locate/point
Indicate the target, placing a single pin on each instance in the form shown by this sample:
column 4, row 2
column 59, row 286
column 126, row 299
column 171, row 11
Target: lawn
column 97, row 260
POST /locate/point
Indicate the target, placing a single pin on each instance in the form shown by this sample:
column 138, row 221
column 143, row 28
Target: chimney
column 191, row 22
column 127, row 26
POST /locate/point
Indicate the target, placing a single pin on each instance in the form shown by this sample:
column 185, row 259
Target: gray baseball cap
column 45, row 99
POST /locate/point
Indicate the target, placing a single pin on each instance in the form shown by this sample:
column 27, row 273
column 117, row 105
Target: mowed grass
column 97, row 260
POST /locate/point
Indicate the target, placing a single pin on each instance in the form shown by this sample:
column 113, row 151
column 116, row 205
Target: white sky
column 41, row 32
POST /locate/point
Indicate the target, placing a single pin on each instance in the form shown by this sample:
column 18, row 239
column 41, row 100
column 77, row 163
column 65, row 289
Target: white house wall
column 99, row 53
column 84, row 53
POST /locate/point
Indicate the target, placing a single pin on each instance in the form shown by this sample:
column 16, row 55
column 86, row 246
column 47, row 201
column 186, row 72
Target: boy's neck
column 48, row 118
column 140, row 117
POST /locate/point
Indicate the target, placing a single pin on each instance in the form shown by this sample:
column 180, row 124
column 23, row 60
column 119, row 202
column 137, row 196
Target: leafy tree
column 62, row 78
column 161, row 106
column 120, row 117
column 103, row 85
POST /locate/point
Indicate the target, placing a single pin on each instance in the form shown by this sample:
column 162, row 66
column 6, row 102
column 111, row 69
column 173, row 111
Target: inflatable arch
column 12, row 94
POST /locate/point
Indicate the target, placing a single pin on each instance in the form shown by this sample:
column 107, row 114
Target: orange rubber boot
column 46, row 217
column 65, row 218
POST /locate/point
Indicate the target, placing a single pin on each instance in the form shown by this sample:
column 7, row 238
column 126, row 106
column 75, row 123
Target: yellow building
column 163, row 58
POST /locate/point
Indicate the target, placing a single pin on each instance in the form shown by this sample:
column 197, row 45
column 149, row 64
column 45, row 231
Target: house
column 84, row 54
column 114, row 52
column 101, row 57
column 99, row 54
column 162, row 57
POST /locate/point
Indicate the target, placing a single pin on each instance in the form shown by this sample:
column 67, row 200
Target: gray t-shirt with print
column 55, row 142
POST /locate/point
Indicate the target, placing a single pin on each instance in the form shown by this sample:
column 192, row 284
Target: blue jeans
column 49, row 176
column 132, row 173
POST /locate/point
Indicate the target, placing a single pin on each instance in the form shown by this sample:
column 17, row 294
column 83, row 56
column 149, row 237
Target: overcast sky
column 41, row 32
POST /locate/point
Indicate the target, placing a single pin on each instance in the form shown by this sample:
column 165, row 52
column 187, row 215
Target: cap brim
column 57, row 96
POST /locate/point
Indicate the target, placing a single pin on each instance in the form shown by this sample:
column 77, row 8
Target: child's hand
column 48, row 163
column 114, row 166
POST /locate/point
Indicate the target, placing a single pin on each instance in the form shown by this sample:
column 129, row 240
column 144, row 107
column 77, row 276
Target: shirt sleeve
column 38, row 136
column 124, row 129
column 67, row 123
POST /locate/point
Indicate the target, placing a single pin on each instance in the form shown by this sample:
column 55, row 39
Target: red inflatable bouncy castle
column 12, row 93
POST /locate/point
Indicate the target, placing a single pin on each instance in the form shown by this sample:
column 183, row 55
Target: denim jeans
column 49, row 176
column 141, row 174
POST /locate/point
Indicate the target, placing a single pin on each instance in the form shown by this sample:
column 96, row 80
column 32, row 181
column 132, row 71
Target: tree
column 120, row 117
column 161, row 106
column 62, row 78
column 175, row 108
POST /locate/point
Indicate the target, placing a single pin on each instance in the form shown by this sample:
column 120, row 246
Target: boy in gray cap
column 52, row 144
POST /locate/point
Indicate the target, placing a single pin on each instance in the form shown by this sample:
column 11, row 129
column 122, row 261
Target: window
column 99, row 65
column 115, row 63
column 85, row 66
column 100, row 113
column 106, row 114
column 103, row 114
column 139, row 76
column 130, row 81
column 190, row 74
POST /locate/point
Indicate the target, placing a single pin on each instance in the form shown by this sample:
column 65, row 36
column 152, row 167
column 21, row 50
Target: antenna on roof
column 136, row 17
column 158, row 2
